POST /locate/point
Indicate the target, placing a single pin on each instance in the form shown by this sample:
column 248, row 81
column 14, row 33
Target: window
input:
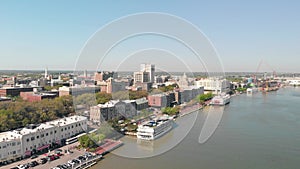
column 27, row 140
column 32, row 138
column 55, row 131
column 51, row 132
column 37, row 137
column 42, row 135
column 62, row 129
column 46, row 134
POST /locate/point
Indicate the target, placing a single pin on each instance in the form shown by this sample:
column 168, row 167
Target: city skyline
column 36, row 34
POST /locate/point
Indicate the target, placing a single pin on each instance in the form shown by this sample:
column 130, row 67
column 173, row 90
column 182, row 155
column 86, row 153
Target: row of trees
column 204, row 97
column 18, row 114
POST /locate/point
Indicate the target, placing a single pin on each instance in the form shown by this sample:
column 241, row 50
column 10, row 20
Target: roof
column 141, row 100
column 9, row 136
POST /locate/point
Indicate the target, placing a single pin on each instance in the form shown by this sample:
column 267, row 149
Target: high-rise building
column 141, row 77
column 150, row 68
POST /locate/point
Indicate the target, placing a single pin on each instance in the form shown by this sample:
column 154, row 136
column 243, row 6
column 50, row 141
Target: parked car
column 33, row 164
column 33, row 156
column 43, row 160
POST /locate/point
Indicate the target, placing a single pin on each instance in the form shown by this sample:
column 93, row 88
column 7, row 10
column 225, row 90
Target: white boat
column 220, row 100
column 250, row 91
column 294, row 83
column 154, row 129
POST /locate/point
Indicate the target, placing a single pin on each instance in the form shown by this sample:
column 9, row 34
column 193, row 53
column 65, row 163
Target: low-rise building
column 112, row 110
column 161, row 100
column 37, row 96
column 34, row 138
column 77, row 90
column 10, row 146
column 141, row 103
column 14, row 91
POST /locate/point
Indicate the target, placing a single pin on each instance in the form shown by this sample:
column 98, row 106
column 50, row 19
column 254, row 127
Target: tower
column 149, row 68
column 46, row 73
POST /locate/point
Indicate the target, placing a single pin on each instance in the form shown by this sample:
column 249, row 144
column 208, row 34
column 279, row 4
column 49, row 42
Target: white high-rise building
column 150, row 68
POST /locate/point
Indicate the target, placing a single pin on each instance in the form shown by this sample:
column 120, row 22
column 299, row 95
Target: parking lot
column 64, row 158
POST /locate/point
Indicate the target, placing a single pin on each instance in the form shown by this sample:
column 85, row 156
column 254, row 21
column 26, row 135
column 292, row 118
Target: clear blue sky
column 35, row 34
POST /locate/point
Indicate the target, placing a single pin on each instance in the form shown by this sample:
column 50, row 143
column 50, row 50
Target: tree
column 133, row 95
column 120, row 95
column 86, row 142
column 103, row 97
column 204, row 97
column 87, row 99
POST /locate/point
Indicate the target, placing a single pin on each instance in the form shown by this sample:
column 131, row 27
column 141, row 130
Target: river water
column 261, row 131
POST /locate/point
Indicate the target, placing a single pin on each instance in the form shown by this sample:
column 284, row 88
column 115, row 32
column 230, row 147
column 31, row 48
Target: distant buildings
column 104, row 75
column 37, row 96
column 141, row 77
column 150, row 69
column 144, row 78
column 14, row 91
column 111, row 85
column 38, row 138
column 77, row 90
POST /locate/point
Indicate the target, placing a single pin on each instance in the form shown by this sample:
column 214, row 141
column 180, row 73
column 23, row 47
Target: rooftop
column 9, row 136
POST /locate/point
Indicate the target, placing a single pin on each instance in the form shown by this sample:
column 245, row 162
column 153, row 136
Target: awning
column 27, row 153
column 43, row 147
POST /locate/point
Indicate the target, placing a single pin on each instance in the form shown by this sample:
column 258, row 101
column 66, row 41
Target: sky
column 37, row 34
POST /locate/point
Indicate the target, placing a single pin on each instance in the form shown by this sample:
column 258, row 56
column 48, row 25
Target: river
column 261, row 131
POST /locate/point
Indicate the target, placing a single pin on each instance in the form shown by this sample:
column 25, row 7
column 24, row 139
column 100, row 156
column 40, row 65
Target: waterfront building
column 161, row 100
column 34, row 138
column 10, row 146
column 214, row 85
column 187, row 94
column 112, row 110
